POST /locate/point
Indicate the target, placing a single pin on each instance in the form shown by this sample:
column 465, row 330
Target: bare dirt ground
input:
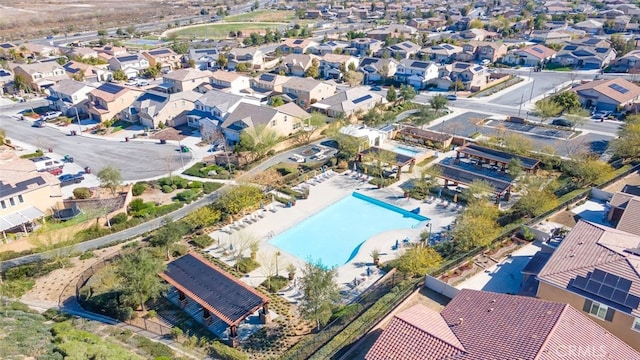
column 21, row 19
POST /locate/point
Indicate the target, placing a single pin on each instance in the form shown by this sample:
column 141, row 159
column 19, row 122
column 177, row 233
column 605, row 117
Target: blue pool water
column 405, row 151
column 334, row 234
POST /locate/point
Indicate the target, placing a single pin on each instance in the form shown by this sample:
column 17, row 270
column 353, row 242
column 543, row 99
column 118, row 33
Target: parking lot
column 532, row 128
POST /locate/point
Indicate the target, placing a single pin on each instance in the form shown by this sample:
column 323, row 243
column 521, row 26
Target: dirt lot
column 21, row 19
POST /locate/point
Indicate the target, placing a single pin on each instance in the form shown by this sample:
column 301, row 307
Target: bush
column 180, row 183
column 151, row 314
column 167, row 189
column 153, row 348
column 119, row 219
column 33, row 270
column 16, row 288
column 276, row 283
column 176, row 333
column 246, row 265
column 186, row 196
column 346, row 313
column 202, row 241
column 195, row 185
column 138, row 205
column 178, row 250
column 209, row 187
column 32, row 155
column 138, row 188
column 225, row 352
column 81, row 193
column 87, row 255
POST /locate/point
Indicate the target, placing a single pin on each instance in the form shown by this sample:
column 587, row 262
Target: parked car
column 38, row 123
column 70, row 179
column 132, row 82
column 562, row 122
column 452, row 97
column 376, row 88
column 485, row 62
column 600, row 115
column 143, row 83
column 50, row 115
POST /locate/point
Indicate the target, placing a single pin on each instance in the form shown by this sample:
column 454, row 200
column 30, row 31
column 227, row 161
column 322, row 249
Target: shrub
column 16, row 288
column 346, row 312
column 225, row 352
column 246, row 265
column 151, row 314
column 195, row 185
column 81, row 193
column 138, row 205
column 87, row 255
column 32, row 155
column 275, row 284
column 167, row 189
column 202, row 241
column 138, row 188
column 180, row 183
column 178, row 250
column 119, row 219
column 209, row 187
column 176, row 333
column 153, row 348
column 186, row 196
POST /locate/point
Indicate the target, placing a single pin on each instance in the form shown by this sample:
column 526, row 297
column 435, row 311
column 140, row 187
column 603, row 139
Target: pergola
column 492, row 156
column 400, row 160
column 465, row 177
column 218, row 293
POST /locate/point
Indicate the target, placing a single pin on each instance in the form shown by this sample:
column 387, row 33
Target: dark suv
column 562, row 122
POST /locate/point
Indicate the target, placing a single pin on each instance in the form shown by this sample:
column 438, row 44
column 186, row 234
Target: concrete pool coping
column 321, row 196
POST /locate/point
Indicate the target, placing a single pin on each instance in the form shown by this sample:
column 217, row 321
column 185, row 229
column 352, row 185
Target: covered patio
column 460, row 176
column 212, row 296
column 400, row 160
column 19, row 220
column 492, row 157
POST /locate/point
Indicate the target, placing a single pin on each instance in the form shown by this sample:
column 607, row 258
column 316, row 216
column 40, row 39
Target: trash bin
column 163, row 141
column 50, row 150
column 87, row 170
column 73, row 133
column 126, row 139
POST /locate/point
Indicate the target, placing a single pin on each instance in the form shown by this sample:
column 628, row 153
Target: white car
column 296, row 158
column 131, row 82
column 143, row 83
column 50, row 115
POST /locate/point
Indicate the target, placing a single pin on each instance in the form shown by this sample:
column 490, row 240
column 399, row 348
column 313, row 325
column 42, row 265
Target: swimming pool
column 405, row 151
column 334, row 234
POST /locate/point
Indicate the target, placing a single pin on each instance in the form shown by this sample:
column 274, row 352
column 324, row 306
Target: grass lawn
column 264, row 16
column 221, row 30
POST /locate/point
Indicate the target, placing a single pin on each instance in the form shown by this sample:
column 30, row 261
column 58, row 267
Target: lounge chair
column 272, row 209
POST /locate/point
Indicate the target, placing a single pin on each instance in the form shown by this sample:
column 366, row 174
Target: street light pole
column 78, row 118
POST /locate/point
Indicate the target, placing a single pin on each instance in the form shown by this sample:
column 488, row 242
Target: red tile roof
column 589, row 246
column 495, row 326
column 630, row 219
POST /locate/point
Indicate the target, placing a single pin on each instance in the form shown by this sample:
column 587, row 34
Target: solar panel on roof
column 447, row 46
column 619, row 296
column 570, row 47
column 110, row 88
column 361, row 99
column 593, row 286
column 368, row 61
column 6, row 46
column 602, row 50
column 606, row 291
column 128, row 58
column 624, row 284
column 632, row 301
column 395, row 47
column 478, row 68
column 159, row 52
column 610, row 279
column 267, row 77
column 419, row 64
column 618, row 88
column 580, row 283
column 298, row 42
column 537, row 49
column 598, row 275
column 152, row 97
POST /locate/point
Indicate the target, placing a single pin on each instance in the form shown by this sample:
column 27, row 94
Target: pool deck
column 352, row 277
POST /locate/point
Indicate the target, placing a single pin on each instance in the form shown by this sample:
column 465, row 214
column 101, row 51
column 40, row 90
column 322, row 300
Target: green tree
column 540, row 21
column 515, row 167
column 477, row 226
column 320, row 292
column 257, row 140
column 3, row 136
column 151, row 72
column 119, row 75
column 222, row 61
column 110, row 178
column 276, row 101
column 407, row 93
column 180, row 47
column 20, row 83
column 309, row 127
column 379, row 160
column 627, row 145
column 313, row 70
column 418, row 261
column 353, row 77
column 102, row 33
column 588, row 170
column 568, row 100
column 131, row 30
column 169, row 234
column 392, row 95
column 120, row 32
column 242, row 67
column 237, row 199
column 517, row 143
column 138, row 272
column 476, row 24
column 438, row 102
column 536, row 197
column 547, row 108
column 203, row 217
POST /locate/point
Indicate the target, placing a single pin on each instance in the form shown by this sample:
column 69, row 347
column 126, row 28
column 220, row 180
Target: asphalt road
column 136, row 159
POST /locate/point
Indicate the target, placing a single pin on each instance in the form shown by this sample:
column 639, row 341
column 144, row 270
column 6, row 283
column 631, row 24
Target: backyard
column 222, row 30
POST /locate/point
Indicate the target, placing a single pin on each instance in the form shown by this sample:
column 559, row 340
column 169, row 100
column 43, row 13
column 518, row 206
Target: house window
column 3, row 204
column 599, row 310
column 636, row 324
column 20, row 199
column 273, row 123
column 12, row 202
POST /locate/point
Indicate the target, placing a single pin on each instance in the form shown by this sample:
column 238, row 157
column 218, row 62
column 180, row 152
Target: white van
column 45, row 163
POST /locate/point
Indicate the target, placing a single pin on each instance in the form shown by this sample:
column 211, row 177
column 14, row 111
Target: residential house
column 533, row 55
column 91, row 73
column 551, row 36
column 40, row 76
column 252, row 57
column 585, row 57
column 83, row 53
column 35, row 51
column 153, row 108
column 6, row 79
column 164, row 58
column 416, row 73
column 478, row 35
column 229, row 81
column 595, row 269
column 623, row 212
column 26, row 195
column 312, row 14
column 109, row 51
column 306, row 91
column 108, row 100
column 590, row 26
column 132, row 65
column 296, row 64
column 68, row 94
column 608, row 94
column 205, row 59
column 364, row 46
column 481, row 50
column 348, row 102
column 283, row 120
column 366, row 136
column 264, row 86
column 376, row 69
column 297, row 46
column 210, row 110
column 392, row 31
column 485, row 325
column 185, row 79
column 629, row 62
column 332, row 66
column 472, row 76
column 442, row 54
column 403, row 50
column 420, row 23
column 329, row 47
column 8, row 50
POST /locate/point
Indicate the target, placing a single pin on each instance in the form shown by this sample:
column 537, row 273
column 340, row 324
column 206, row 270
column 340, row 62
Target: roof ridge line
column 432, row 334
column 551, row 332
